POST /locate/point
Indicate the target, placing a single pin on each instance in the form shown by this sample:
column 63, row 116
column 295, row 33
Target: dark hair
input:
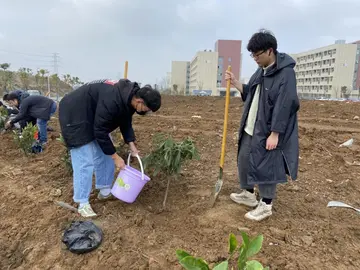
column 262, row 41
column 5, row 97
column 151, row 97
column 11, row 96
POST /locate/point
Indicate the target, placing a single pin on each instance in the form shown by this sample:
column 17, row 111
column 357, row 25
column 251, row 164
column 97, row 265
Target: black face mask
column 141, row 113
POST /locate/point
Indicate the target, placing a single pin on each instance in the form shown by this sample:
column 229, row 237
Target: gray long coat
column 278, row 107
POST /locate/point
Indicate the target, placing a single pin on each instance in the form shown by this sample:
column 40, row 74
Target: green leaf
column 253, row 265
column 181, row 254
column 245, row 238
column 222, row 266
column 232, row 243
column 191, row 263
column 254, row 246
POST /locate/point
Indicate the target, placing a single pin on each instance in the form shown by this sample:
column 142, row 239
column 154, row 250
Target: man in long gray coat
column 268, row 137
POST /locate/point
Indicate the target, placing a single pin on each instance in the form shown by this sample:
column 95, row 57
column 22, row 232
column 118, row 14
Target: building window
column 221, row 60
column 229, row 59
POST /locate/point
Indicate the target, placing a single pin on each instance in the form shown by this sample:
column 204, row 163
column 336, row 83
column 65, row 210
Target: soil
column 302, row 233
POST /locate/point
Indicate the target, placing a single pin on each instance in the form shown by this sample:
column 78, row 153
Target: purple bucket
column 129, row 182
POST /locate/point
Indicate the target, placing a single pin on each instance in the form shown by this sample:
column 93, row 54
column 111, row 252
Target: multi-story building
column 325, row 71
column 180, row 77
column 203, row 73
column 229, row 54
column 356, row 82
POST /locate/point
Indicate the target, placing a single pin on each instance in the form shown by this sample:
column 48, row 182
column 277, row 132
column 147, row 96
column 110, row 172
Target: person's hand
column 272, row 141
column 7, row 125
column 230, row 76
column 118, row 161
column 133, row 150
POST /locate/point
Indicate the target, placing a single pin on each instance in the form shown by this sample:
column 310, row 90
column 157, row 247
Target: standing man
column 33, row 108
column 268, row 137
column 87, row 117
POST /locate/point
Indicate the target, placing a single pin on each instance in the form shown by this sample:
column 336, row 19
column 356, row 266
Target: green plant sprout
column 168, row 157
column 247, row 249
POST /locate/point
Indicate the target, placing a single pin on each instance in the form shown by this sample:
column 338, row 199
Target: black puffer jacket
column 38, row 107
column 94, row 110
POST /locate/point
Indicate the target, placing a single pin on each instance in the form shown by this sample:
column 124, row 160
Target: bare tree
column 175, row 89
column 200, row 85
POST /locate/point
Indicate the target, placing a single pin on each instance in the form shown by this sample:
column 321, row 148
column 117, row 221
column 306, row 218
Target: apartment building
column 180, row 77
column 229, row 53
column 357, row 67
column 203, row 72
column 323, row 72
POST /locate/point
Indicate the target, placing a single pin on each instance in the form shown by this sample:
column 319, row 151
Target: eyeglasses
column 257, row 54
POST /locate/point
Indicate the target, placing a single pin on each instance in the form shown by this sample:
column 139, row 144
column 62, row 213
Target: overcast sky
column 95, row 37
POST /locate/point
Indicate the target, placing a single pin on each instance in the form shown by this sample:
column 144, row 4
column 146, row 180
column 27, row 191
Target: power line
column 28, row 54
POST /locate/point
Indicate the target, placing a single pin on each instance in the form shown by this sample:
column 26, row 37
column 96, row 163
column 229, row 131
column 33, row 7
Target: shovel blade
column 215, row 192
column 341, row 204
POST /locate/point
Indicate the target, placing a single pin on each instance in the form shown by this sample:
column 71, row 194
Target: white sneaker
column 261, row 212
column 86, row 211
column 246, row 198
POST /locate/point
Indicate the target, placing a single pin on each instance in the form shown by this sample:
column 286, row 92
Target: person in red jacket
column 87, row 116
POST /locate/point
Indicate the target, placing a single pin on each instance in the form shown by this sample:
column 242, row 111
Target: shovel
column 219, row 182
column 341, row 204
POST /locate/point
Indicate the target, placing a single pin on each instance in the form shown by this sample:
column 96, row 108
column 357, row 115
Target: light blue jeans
column 42, row 124
column 85, row 160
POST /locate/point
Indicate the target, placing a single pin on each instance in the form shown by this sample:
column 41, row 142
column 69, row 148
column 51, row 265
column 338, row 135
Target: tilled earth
column 302, row 233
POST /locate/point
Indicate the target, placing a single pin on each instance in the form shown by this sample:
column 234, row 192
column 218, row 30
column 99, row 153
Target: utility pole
column 56, row 71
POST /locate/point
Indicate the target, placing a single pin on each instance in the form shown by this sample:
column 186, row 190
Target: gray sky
column 95, row 37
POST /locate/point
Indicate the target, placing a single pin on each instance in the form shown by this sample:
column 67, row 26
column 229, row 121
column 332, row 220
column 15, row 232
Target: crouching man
column 37, row 109
column 87, row 116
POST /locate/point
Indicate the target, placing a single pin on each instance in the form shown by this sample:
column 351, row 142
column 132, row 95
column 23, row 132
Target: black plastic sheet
column 82, row 237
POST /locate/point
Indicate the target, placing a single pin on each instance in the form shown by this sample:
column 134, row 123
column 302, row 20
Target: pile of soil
column 302, row 233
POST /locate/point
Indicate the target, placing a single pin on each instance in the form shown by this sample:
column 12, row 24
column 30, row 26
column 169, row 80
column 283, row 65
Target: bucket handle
column 141, row 165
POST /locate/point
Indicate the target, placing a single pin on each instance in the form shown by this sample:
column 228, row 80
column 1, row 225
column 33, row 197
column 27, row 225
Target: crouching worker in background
column 87, row 116
column 35, row 109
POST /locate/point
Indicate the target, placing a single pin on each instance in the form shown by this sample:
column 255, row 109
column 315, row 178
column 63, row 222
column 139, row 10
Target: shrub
column 168, row 156
column 27, row 139
column 247, row 249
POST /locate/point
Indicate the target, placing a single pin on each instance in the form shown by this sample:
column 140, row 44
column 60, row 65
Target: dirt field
column 302, row 233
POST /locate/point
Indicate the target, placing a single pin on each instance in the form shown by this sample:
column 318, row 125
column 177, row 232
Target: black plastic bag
column 36, row 148
column 82, row 237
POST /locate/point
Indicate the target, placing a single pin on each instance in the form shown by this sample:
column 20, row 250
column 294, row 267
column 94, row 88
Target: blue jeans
column 42, row 124
column 85, row 159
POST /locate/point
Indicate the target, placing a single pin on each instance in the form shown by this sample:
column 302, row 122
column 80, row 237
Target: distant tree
column 25, row 75
column 345, row 93
column 175, row 89
column 7, row 77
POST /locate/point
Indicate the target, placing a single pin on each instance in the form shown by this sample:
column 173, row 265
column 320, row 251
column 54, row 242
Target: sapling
column 3, row 117
column 247, row 249
column 168, row 156
column 66, row 159
column 27, row 138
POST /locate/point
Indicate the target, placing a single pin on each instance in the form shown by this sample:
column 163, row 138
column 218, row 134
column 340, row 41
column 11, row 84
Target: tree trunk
column 166, row 192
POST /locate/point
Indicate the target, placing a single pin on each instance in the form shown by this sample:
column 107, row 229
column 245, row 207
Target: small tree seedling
column 66, row 159
column 168, row 157
column 247, row 249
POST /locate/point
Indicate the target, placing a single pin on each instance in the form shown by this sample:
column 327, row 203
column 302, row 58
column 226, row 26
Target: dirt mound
column 302, row 233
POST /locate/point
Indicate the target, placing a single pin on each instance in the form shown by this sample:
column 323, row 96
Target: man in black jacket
column 268, row 134
column 33, row 107
column 87, row 116
column 21, row 95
